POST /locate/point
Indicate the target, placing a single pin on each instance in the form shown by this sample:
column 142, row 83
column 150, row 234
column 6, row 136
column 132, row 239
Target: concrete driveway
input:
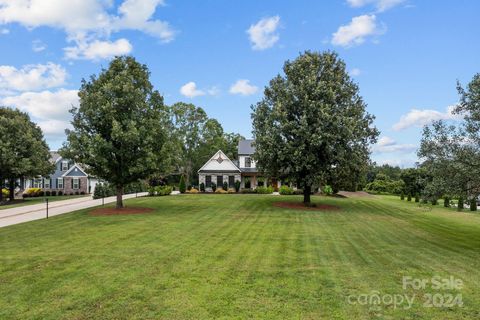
column 38, row 211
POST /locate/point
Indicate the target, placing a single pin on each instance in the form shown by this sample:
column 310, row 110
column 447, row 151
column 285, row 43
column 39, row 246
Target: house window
column 37, row 183
column 248, row 162
column 76, row 184
column 60, row 183
column 64, row 165
column 208, row 181
column 46, row 183
column 219, row 181
column 231, row 181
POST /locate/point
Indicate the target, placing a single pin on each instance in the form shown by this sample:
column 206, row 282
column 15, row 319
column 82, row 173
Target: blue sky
column 406, row 55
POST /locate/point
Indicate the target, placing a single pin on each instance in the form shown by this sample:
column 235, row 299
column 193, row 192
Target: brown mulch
column 115, row 211
column 301, row 206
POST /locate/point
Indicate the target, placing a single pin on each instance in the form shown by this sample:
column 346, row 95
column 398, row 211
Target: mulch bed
column 115, row 211
column 301, row 206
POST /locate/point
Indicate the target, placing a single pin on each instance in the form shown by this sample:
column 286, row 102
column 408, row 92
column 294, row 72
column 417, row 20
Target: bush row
column 37, row 192
column 160, row 191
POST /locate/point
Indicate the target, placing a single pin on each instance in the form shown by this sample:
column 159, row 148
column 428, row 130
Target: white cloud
column 54, row 127
column 94, row 20
column 262, row 34
column 355, row 72
column 4, row 31
column 420, row 118
column 356, row 31
column 32, row 77
column 38, row 45
column 45, row 105
column 190, row 90
column 243, row 87
column 98, row 49
column 388, row 145
column 402, row 163
column 380, row 5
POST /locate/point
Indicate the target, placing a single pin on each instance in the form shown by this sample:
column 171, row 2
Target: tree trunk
column 1, row 189
column 306, row 194
column 119, row 197
column 11, row 188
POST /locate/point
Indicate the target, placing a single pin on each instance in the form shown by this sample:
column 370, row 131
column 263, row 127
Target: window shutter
column 71, row 180
column 79, row 182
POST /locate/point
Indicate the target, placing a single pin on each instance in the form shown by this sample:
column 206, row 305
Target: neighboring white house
column 220, row 169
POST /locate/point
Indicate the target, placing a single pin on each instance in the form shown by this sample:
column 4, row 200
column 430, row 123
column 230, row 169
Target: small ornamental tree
column 409, row 197
column 402, row 196
column 213, row 186
column 237, row 185
column 311, row 124
column 417, row 197
column 225, row 185
column 119, row 126
column 182, row 186
column 202, row 187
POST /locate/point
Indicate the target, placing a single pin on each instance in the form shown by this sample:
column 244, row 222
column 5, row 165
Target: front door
column 219, row 181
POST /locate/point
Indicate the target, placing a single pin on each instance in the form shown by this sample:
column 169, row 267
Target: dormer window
column 248, row 162
column 64, row 165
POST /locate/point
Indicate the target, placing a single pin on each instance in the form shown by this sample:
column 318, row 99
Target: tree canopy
column 119, row 128
column 23, row 150
column 311, row 124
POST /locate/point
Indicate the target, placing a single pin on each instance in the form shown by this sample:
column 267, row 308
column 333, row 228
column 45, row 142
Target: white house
column 220, row 169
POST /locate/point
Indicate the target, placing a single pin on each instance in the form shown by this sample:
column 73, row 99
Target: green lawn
column 37, row 200
column 236, row 256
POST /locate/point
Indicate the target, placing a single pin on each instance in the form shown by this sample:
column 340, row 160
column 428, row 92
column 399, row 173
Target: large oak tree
column 311, row 124
column 119, row 128
column 23, row 150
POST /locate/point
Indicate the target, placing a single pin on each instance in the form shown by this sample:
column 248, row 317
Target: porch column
column 254, row 182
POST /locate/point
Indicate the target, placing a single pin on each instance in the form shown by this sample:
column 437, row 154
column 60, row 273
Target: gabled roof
column 219, row 163
column 245, row 147
column 71, row 169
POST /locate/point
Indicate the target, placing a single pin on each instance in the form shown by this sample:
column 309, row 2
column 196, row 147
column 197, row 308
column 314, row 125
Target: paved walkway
column 38, row 211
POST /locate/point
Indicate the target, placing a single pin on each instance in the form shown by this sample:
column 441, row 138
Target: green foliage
column 182, row 188
column 202, row 187
column 213, row 185
column 314, row 104
column 265, row 190
column 383, row 184
column 409, row 197
column 248, row 190
column 5, row 193
column 402, row 196
column 327, row 190
column 434, row 201
column 23, row 150
column 473, row 204
column 286, row 190
column 163, row 190
column 237, row 185
column 225, row 185
column 417, row 197
column 120, row 125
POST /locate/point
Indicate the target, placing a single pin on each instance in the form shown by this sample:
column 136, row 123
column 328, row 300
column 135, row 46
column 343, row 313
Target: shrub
column 33, row 192
column 248, row 190
column 231, row 190
column 54, row 193
column 5, row 193
column 473, row 204
column 237, row 185
column 25, row 195
column 213, row 186
column 417, row 198
column 409, row 197
column 327, row 190
column 41, row 193
column 189, row 187
column 60, row 193
column 265, row 190
column 151, row 191
column 82, row 193
column 163, row 190
column 202, row 187
column 193, row 190
column 220, row 191
column 446, row 202
column 402, row 196
column 182, row 186
column 434, row 201
column 77, row 193
column 424, row 200
column 460, row 204
column 225, row 185
column 48, row 193
column 286, row 190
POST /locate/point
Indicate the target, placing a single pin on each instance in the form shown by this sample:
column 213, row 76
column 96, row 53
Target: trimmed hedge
column 286, row 190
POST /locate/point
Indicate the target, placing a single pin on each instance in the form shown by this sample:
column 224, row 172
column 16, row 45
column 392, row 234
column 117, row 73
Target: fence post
column 46, row 200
